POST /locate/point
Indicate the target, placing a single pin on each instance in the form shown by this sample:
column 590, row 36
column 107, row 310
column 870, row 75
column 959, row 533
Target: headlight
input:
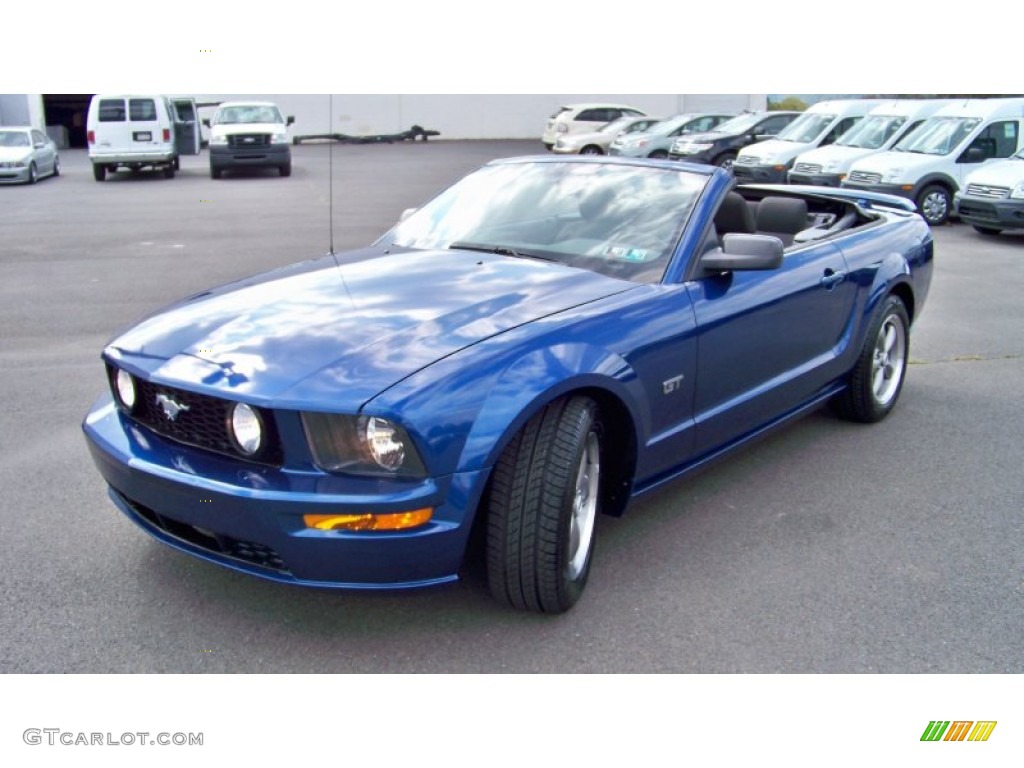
column 361, row 445
column 1017, row 193
column 124, row 383
column 246, row 429
column 219, row 140
column 279, row 138
column 692, row 149
column 893, row 175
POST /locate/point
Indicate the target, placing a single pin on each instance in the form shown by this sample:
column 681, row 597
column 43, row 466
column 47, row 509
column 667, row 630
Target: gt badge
column 671, row 385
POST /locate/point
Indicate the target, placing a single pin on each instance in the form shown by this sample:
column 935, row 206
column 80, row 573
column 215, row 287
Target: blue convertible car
column 544, row 341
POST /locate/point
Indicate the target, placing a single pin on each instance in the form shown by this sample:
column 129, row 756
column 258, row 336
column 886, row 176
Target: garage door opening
column 65, row 118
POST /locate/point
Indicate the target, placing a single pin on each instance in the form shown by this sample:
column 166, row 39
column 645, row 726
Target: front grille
column 866, row 178
column 992, row 193
column 197, row 420
column 249, row 140
column 807, row 168
column 236, row 549
column 748, row 160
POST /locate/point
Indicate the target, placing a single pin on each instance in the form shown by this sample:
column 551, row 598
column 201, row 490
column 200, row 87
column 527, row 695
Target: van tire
column 169, row 171
column 285, row 170
column 935, row 203
column 99, row 172
column 214, row 172
column 987, row 230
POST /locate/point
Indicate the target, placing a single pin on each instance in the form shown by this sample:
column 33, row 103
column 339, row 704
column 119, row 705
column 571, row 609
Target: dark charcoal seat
column 782, row 217
column 734, row 216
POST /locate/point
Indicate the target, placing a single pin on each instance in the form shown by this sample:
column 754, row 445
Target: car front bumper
column 249, row 517
column 759, row 174
column 14, row 175
column 270, row 156
column 900, row 190
column 997, row 214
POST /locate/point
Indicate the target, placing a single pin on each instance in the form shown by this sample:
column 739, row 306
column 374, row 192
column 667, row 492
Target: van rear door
column 144, row 123
column 111, row 130
column 186, row 126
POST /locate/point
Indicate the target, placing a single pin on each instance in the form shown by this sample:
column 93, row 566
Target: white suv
column 580, row 118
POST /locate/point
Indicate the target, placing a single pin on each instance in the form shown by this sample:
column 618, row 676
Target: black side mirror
column 744, row 252
column 206, row 123
column 973, row 155
column 290, row 120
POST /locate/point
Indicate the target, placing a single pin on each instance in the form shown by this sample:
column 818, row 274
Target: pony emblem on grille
column 170, row 408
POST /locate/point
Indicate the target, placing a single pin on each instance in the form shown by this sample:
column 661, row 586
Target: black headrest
column 782, row 214
column 734, row 215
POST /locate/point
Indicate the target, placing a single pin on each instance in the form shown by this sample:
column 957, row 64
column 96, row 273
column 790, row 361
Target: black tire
column 591, row 149
column 169, row 171
column 725, row 160
column 33, row 174
column 542, row 505
column 658, row 154
column 548, row 146
column 56, row 165
column 99, row 172
column 177, row 164
column 934, row 203
column 215, row 172
column 987, row 230
column 877, row 378
column 285, row 170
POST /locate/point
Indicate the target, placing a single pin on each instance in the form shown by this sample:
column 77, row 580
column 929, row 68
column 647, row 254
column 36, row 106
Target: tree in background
column 790, row 103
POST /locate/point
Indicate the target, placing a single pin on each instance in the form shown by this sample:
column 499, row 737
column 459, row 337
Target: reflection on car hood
column 14, row 154
column 339, row 336
column 702, row 138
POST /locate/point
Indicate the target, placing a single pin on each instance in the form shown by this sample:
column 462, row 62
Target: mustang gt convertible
column 544, row 341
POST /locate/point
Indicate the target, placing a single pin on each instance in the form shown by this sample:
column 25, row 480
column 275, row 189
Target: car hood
column 884, row 162
column 1004, row 173
column 229, row 129
column 835, row 153
column 703, row 138
column 777, row 148
column 339, row 334
column 14, row 154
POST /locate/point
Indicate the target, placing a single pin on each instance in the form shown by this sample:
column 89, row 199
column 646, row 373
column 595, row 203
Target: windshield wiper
column 501, row 250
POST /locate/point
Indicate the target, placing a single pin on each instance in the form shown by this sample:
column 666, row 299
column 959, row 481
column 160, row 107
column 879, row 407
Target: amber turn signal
column 395, row 521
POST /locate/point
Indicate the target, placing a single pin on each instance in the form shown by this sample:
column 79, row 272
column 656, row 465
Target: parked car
column 139, row 132
column 929, row 166
column 544, row 341
column 26, row 155
column 249, row 134
column 597, row 143
column 719, row 146
column 993, row 196
column 655, row 141
column 583, row 118
column 767, row 162
column 884, row 126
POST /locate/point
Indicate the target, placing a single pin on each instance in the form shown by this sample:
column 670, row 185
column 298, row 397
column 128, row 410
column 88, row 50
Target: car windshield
column 872, row 132
column 248, row 114
column 738, row 124
column 617, row 220
column 939, row 135
column 665, row 127
column 14, row 139
column 806, row 128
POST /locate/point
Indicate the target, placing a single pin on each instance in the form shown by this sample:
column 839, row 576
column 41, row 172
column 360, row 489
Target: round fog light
column 125, row 388
column 246, row 428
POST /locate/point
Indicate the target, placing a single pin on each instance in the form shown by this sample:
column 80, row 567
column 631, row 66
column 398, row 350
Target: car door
column 186, row 126
column 45, row 151
column 765, row 340
column 997, row 141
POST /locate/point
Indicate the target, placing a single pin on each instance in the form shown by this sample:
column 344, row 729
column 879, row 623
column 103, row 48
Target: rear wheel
column 285, row 170
column 169, row 171
column 99, row 172
column 542, row 508
column 214, row 172
column 591, row 149
column 877, row 379
column 726, row 160
column 987, row 230
column 934, row 204
column 658, row 154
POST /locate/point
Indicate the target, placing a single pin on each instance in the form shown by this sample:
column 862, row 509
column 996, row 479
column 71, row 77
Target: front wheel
column 591, row 149
column 726, row 160
column 56, row 166
column 285, row 170
column 877, row 378
column 934, row 204
column 33, row 174
column 542, row 508
column 658, row 154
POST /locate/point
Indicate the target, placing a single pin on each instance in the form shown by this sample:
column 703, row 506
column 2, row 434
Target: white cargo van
column 930, row 165
column 140, row 131
column 993, row 196
column 768, row 162
column 884, row 125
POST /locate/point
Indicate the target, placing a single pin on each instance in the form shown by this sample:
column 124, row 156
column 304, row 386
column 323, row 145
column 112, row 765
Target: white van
column 929, row 166
column 144, row 131
column 884, row 125
column 993, row 196
column 767, row 162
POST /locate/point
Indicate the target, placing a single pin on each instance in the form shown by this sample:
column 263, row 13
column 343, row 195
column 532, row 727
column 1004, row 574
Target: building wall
column 463, row 116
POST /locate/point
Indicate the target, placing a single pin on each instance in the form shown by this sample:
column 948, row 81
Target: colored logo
column 958, row 730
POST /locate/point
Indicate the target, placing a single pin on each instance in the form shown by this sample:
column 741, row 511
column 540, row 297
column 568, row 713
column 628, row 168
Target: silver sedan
column 26, row 155
column 597, row 142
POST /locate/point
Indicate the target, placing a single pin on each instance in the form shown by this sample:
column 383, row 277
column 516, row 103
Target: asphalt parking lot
column 827, row 547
